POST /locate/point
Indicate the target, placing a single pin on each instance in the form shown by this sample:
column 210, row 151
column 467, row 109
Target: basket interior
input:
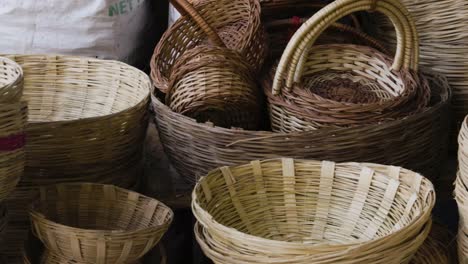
column 8, row 72
column 93, row 207
column 278, row 206
column 368, row 69
column 69, row 88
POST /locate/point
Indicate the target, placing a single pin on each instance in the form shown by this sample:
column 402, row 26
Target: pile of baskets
column 383, row 110
column 304, row 211
column 461, row 192
column 86, row 123
column 95, row 223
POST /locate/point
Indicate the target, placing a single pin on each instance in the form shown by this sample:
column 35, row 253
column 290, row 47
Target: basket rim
column 37, row 216
column 144, row 100
column 425, row 212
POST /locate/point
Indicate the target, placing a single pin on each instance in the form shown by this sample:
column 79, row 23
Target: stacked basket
column 94, row 223
column 411, row 132
column 305, row 211
column 12, row 137
column 444, row 42
column 87, row 122
column 461, row 192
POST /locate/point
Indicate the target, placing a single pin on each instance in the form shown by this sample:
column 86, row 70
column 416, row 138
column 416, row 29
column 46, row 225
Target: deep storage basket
column 97, row 223
column 345, row 85
column 215, row 84
column 416, row 142
column 236, row 22
column 303, row 211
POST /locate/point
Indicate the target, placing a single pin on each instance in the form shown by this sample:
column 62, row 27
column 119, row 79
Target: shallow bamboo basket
column 98, row 223
column 417, row 142
column 303, row 211
column 234, row 24
column 11, row 81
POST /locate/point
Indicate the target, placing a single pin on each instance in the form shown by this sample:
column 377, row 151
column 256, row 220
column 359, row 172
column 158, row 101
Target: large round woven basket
column 97, row 223
column 304, row 211
column 416, row 142
column 86, row 116
column 236, row 22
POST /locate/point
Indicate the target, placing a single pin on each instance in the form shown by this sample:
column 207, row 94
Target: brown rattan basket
column 416, row 142
column 97, row 223
column 345, row 85
column 215, row 84
column 236, row 22
column 304, row 211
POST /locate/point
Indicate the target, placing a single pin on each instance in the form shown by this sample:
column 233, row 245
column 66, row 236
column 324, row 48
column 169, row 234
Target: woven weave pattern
column 215, row 84
column 416, row 142
column 309, row 211
column 236, row 22
column 98, row 223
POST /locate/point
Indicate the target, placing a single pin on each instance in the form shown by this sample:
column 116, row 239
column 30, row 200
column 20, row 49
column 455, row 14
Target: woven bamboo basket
column 231, row 23
column 98, row 223
column 345, row 85
column 441, row 25
column 34, row 252
column 416, row 142
column 461, row 192
column 437, row 248
column 215, row 84
column 86, row 117
column 304, row 211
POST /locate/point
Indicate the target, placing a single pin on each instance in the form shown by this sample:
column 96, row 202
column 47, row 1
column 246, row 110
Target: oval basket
column 236, row 22
column 345, row 85
column 87, row 117
column 304, row 211
column 98, row 223
column 417, row 142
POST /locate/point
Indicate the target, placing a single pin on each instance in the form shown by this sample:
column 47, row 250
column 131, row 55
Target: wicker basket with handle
column 233, row 23
column 215, row 84
column 97, row 223
column 346, row 85
column 303, row 211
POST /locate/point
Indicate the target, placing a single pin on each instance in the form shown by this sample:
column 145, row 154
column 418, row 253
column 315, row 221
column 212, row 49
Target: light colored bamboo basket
column 346, row 85
column 98, row 223
column 304, row 211
column 215, row 84
column 441, row 25
column 86, row 116
column 437, row 248
column 231, row 23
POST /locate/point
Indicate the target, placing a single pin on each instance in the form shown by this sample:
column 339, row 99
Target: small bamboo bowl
column 98, row 223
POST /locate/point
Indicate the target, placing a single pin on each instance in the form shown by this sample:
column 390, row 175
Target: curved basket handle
column 292, row 62
column 185, row 8
column 370, row 41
